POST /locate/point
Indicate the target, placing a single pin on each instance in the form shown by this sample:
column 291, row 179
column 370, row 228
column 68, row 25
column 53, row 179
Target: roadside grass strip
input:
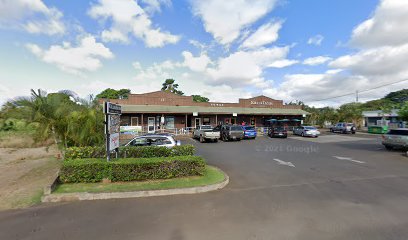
column 212, row 175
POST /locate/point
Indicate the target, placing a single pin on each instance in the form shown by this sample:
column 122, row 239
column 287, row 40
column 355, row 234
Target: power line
column 358, row 92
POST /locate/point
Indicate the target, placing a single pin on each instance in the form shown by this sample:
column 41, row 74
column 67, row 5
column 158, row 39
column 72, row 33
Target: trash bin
column 378, row 129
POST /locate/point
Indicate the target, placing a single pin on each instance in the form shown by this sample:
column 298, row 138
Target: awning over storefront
column 210, row 110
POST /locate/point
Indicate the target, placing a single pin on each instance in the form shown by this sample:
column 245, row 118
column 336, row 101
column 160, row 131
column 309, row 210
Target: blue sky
column 290, row 50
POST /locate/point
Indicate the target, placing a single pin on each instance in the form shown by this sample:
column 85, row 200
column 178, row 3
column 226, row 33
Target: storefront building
column 167, row 111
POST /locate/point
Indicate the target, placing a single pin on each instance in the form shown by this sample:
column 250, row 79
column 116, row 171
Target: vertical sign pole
column 107, row 131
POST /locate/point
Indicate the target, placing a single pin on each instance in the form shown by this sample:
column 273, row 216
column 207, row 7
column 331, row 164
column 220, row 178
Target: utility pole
column 356, row 95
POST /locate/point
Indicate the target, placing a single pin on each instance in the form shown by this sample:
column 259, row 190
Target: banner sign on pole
column 113, row 141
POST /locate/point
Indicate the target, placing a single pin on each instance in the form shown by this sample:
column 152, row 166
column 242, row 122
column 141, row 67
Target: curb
column 67, row 197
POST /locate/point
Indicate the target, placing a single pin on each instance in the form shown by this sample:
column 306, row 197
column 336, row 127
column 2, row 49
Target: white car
column 306, row 131
column 153, row 140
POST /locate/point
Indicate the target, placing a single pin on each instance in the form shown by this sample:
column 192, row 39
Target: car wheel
column 201, row 139
column 389, row 148
column 353, row 132
column 302, row 134
column 215, row 140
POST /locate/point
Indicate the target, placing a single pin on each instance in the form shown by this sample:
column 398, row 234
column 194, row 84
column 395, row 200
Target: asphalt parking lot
column 295, row 188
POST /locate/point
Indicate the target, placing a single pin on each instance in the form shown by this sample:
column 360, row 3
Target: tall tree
column 110, row 93
column 399, row 97
column 170, row 86
column 403, row 112
column 351, row 112
column 199, row 98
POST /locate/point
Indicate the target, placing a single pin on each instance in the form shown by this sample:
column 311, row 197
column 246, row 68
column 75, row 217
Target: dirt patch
column 23, row 174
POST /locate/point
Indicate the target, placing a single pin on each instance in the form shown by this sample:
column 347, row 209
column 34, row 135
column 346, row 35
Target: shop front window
column 206, row 121
column 169, row 122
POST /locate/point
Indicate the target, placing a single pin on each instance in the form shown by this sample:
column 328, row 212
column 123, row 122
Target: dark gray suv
column 343, row 127
column 231, row 132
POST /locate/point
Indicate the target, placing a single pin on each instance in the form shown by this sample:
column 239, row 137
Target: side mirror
column 178, row 143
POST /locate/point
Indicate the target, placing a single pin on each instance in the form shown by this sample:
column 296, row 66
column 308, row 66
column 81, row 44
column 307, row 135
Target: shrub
column 131, row 169
column 130, row 152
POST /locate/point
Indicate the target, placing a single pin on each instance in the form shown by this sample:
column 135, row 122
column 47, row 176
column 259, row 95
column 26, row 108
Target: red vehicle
column 278, row 132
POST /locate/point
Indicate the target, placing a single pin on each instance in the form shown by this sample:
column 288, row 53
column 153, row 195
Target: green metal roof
column 215, row 110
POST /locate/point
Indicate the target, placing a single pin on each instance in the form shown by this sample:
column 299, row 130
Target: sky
column 311, row 51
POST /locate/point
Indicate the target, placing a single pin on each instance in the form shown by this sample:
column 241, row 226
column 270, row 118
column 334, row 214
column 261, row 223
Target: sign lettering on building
column 217, row 105
column 261, row 103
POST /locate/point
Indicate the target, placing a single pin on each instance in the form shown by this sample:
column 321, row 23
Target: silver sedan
column 306, row 131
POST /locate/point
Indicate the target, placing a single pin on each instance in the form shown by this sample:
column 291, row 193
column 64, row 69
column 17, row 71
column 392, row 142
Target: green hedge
column 130, row 169
column 130, row 152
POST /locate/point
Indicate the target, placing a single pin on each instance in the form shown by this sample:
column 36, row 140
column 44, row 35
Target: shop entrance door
column 197, row 122
column 151, row 127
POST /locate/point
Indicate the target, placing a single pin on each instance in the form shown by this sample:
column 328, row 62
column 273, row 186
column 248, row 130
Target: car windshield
column 398, row 132
column 310, row 128
column 236, row 128
column 248, row 128
column 279, row 129
column 206, row 127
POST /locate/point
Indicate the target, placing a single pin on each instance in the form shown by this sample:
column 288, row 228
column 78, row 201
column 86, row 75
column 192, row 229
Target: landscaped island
column 85, row 169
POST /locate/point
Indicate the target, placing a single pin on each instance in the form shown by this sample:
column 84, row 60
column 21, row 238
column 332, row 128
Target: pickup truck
column 396, row 138
column 206, row 132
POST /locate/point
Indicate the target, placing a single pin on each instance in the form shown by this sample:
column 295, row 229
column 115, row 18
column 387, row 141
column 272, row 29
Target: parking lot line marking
column 348, row 159
column 284, row 163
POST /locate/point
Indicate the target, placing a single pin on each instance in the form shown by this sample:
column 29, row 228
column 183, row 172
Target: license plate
column 281, row 134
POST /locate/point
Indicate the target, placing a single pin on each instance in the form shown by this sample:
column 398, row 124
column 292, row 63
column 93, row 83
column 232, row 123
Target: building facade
column 380, row 118
column 167, row 111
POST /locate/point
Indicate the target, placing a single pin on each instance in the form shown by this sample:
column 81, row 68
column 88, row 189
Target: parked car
column 231, row 132
column 306, row 131
column 343, row 127
column 396, row 138
column 249, row 132
column 206, row 132
column 278, row 132
column 153, row 140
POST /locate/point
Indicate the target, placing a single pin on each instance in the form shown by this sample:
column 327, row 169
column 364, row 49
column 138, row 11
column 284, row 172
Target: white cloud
column 267, row 33
column 153, row 6
column 316, row 60
column 283, row 63
column 242, row 67
column 380, row 59
column 197, row 64
column 127, row 17
column 375, row 61
column 315, row 40
column 84, row 57
column 226, row 19
column 31, row 15
column 387, row 27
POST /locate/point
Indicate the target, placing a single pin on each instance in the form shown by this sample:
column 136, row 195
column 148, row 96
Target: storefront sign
column 112, row 127
column 111, row 108
column 195, row 114
column 130, row 129
column 261, row 103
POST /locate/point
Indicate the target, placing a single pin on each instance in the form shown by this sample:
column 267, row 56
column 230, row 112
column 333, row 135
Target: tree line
column 353, row 112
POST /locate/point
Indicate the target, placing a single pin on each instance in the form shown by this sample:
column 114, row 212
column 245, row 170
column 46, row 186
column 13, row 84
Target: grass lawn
column 212, row 175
